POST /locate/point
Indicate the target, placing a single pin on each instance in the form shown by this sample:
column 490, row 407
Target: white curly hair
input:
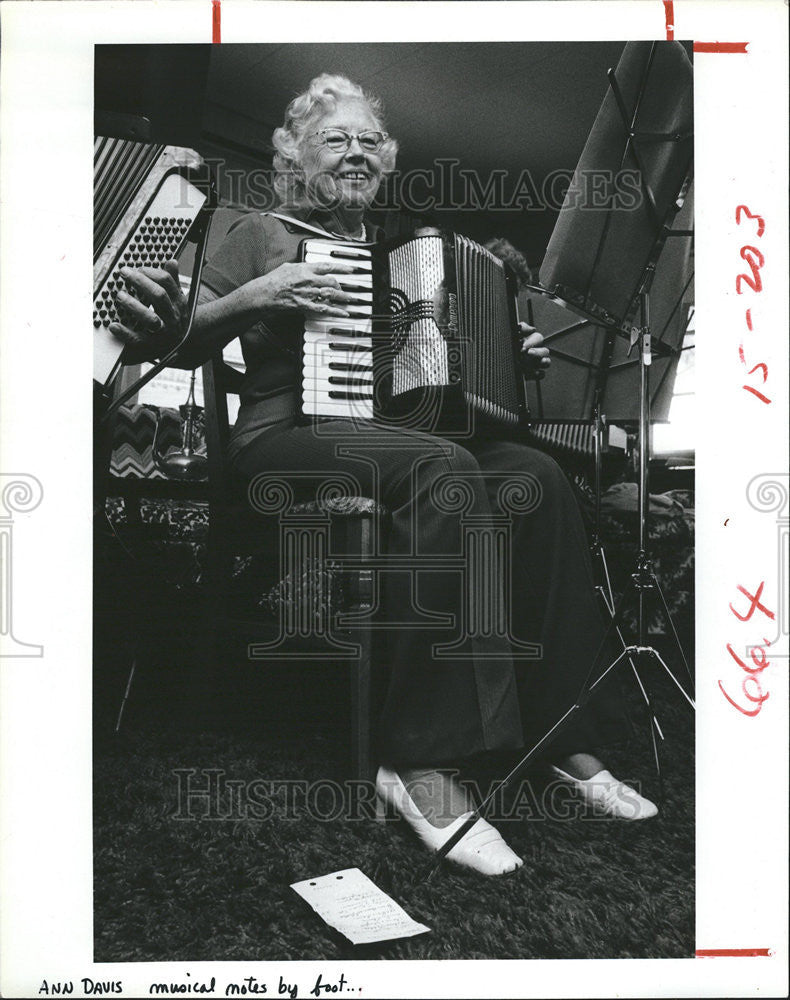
column 321, row 96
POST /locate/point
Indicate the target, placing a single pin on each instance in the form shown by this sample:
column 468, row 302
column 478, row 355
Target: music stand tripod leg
column 655, row 727
column 608, row 604
column 604, row 588
column 644, row 576
column 582, row 698
column 657, row 656
column 430, row 869
column 675, row 635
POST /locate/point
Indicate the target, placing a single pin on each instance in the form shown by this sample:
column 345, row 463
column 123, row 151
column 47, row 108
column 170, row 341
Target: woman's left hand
column 535, row 359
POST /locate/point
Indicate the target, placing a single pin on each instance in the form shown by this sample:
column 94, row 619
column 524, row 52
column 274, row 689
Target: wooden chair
column 331, row 538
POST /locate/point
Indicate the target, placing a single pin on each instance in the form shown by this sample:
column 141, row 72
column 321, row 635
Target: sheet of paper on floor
column 348, row 901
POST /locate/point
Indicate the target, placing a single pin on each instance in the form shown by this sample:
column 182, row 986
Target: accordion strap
column 318, row 230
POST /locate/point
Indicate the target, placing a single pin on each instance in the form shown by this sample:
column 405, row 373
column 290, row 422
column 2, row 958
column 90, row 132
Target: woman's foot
column 481, row 848
column 439, row 798
column 581, row 765
column 600, row 789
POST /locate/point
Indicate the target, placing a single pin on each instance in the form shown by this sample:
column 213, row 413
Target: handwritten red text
column 751, row 282
column 751, row 686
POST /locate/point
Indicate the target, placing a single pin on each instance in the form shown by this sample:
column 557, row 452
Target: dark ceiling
column 506, row 106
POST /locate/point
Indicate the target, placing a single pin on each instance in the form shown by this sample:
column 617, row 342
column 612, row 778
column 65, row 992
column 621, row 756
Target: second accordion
column 430, row 341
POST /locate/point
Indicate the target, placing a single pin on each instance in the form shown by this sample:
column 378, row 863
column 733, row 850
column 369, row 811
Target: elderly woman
column 332, row 153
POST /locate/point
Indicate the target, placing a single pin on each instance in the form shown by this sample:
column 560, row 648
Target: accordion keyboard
column 337, row 361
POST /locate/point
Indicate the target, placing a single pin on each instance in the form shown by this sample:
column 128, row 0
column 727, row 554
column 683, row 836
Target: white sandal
column 482, row 848
column 609, row 796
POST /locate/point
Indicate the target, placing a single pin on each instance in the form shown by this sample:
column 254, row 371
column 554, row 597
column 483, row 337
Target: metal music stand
column 607, row 281
column 595, row 382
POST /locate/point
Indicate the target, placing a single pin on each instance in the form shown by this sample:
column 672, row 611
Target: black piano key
column 338, row 380
column 338, row 394
column 338, row 366
column 347, row 347
column 346, row 254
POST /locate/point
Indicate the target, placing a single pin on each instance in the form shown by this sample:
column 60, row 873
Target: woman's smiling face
column 347, row 179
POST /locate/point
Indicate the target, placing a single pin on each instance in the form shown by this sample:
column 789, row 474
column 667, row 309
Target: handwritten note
column 348, row 901
column 753, row 280
column 758, row 655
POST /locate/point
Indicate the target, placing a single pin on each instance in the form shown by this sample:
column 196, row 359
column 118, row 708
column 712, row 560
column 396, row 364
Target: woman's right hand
column 304, row 288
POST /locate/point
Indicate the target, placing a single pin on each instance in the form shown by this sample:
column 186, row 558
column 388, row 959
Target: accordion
column 148, row 201
column 430, row 339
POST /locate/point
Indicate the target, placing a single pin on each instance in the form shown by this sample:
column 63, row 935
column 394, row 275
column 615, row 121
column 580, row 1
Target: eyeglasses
column 339, row 141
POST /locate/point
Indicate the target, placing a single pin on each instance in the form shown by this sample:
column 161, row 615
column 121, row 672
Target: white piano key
column 341, row 360
column 343, row 345
column 355, row 408
column 319, row 374
column 327, row 324
column 336, row 393
column 317, row 339
column 335, row 367
column 326, row 367
column 316, row 395
column 326, row 340
column 335, row 380
column 359, row 312
column 328, row 249
column 318, row 359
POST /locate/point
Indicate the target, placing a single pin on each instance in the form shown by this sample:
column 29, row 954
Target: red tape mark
column 721, row 47
column 732, row 952
column 215, row 21
column 669, row 11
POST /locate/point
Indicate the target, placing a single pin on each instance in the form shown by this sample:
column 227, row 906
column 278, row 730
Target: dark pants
column 494, row 562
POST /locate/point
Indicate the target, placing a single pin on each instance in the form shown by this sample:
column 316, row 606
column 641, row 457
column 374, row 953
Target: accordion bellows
column 146, row 201
column 432, row 335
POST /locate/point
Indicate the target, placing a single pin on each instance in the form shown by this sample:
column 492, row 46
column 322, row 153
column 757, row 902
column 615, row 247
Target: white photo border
column 46, row 118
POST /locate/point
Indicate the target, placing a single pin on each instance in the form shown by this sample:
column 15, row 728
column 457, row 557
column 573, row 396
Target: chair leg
column 360, row 709
column 361, row 670
column 203, row 683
